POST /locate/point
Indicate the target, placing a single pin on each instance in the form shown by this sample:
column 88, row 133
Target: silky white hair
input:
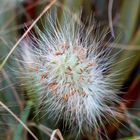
column 70, row 65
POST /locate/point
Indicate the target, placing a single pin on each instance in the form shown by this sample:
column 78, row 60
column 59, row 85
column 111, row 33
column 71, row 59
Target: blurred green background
column 123, row 19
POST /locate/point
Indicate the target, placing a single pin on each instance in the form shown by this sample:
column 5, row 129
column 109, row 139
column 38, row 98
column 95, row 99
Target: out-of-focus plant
column 17, row 16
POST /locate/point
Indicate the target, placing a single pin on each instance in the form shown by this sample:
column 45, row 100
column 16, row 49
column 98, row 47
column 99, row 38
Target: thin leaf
column 128, row 19
column 19, row 120
column 24, row 117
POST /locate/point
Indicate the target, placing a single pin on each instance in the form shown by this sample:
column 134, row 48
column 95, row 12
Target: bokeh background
column 122, row 17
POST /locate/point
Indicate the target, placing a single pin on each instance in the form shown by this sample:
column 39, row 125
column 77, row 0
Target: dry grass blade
column 56, row 131
column 7, row 109
column 110, row 5
column 23, row 36
column 45, row 129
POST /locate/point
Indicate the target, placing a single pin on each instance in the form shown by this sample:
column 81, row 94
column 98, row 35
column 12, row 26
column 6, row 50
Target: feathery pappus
column 71, row 67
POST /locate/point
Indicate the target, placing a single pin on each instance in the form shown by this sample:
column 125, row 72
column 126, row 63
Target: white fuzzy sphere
column 70, row 66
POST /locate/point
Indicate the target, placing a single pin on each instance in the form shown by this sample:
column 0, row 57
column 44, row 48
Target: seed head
column 71, row 67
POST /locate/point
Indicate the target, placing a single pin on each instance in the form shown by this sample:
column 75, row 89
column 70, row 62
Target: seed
column 59, row 53
column 53, row 86
column 44, row 76
column 83, row 94
column 65, row 97
column 68, row 71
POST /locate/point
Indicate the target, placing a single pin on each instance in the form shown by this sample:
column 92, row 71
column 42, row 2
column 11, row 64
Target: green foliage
column 128, row 59
column 24, row 116
column 129, row 18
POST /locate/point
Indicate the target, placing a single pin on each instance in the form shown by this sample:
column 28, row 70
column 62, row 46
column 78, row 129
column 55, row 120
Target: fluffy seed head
column 71, row 67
